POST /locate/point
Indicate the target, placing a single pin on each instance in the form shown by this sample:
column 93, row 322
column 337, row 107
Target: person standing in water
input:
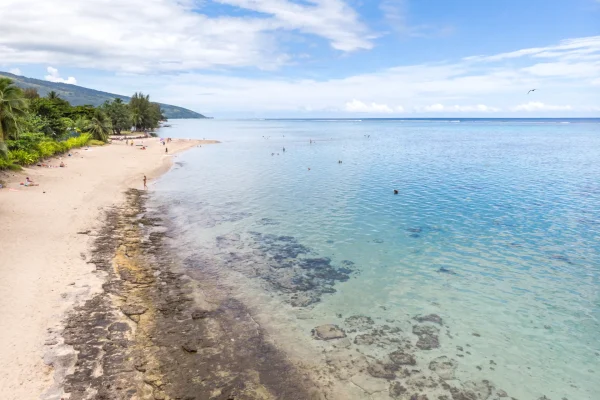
column 145, row 181
column 284, row 149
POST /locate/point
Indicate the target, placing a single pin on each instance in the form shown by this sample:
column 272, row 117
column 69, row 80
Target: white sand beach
column 43, row 269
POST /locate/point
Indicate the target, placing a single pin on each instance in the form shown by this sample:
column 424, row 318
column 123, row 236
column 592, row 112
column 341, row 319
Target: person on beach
column 166, row 149
column 62, row 164
column 145, row 181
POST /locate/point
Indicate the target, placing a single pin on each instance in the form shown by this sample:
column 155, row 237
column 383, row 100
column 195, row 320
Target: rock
column 383, row 371
column 428, row 336
column 458, row 394
column 399, row 357
column 133, row 309
column 444, row 367
column 328, row 332
column 436, row 319
column 199, row 314
column 397, row 390
column 359, row 322
column 501, row 393
column 119, row 327
column 190, row 347
column 482, row 389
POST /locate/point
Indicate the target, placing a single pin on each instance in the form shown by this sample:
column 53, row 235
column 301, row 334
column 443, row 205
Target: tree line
column 27, row 120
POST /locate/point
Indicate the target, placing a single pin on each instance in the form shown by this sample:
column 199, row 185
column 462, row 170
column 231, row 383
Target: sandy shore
column 43, row 268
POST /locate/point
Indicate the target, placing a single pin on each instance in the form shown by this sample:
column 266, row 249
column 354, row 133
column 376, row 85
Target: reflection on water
column 494, row 230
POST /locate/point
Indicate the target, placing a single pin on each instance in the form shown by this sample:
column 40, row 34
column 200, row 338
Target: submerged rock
column 383, row 371
column 328, row 332
column 444, row 367
column 359, row 322
column 428, row 336
column 444, row 270
column 399, row 357
column 436, row 319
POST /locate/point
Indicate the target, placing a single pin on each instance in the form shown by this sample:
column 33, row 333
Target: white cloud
column 479, row 108
column 396, row 14
column 564, row 48
column 166, row 35
column 333, row 20
column 539, row 106
column 15, row 71
column 54, row 76
column 357, row 106
column 596, row 82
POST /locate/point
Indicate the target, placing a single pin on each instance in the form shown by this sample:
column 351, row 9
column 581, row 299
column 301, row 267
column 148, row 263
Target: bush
column 95, row 142
column 8, row 164
column 33, row 147
column 24, row 157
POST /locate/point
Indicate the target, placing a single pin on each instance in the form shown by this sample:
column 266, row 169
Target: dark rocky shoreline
column 150, row 335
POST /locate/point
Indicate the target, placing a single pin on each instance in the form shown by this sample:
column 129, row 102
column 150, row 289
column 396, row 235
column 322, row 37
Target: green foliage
column 100, row 126
column 6, row 163
column 144, row 114
column 12, row 107
column 23, row 157
column 95, row 142
column 119, row 114
column 31, row 148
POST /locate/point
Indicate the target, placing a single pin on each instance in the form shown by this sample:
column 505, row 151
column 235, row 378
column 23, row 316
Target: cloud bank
column 144, row 36
column 54, row 76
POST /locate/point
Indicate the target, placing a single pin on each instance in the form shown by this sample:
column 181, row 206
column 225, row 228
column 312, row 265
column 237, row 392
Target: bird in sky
column 532, row 90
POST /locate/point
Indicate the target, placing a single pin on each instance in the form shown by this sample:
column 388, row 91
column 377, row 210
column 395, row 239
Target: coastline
column 44, row 271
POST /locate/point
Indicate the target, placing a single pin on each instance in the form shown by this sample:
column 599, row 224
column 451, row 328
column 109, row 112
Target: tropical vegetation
column 34, row 127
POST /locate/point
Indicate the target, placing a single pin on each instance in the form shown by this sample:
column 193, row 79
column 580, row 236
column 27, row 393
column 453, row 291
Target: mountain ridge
column 79, row 95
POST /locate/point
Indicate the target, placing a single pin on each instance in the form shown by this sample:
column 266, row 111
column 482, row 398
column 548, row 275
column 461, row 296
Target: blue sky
column 317, row 58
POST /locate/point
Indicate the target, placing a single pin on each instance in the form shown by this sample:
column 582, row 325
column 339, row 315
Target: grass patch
column 95, row 142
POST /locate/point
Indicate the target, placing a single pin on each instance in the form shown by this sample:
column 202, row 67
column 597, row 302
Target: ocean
column 487, row 260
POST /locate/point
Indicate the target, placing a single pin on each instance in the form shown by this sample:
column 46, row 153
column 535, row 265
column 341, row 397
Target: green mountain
column 77, row 95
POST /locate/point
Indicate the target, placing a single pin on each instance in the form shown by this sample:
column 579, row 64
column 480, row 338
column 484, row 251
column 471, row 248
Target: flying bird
column 532, row 90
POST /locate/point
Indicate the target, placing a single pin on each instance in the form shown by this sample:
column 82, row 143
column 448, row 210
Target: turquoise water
column 495, row 228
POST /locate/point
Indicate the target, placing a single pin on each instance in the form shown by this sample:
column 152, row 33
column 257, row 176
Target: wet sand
column 45, row 248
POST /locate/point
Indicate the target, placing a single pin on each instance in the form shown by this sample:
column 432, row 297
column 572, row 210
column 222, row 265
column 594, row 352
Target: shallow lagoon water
column 496, row 228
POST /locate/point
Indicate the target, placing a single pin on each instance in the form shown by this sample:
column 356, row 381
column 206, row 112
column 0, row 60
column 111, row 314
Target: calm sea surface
column 496, row 229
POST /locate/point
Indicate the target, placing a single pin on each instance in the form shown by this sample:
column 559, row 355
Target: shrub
column 23, row 157
column 95, row 142
column 8, row 164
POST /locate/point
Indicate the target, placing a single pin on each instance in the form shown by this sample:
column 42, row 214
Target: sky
column 318, row 58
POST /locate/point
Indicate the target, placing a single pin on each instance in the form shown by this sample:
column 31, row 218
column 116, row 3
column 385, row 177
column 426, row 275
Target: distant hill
column 78, row 96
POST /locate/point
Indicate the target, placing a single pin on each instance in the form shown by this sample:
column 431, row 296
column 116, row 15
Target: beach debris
column 444, row 367
column 434, row 318
column 328, row 332
column 399, row 357
column 87, row 232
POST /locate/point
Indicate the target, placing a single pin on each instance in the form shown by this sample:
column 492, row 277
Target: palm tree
column 100, row 126
column 52, row 95
column 81, row 124
column 12, row 106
